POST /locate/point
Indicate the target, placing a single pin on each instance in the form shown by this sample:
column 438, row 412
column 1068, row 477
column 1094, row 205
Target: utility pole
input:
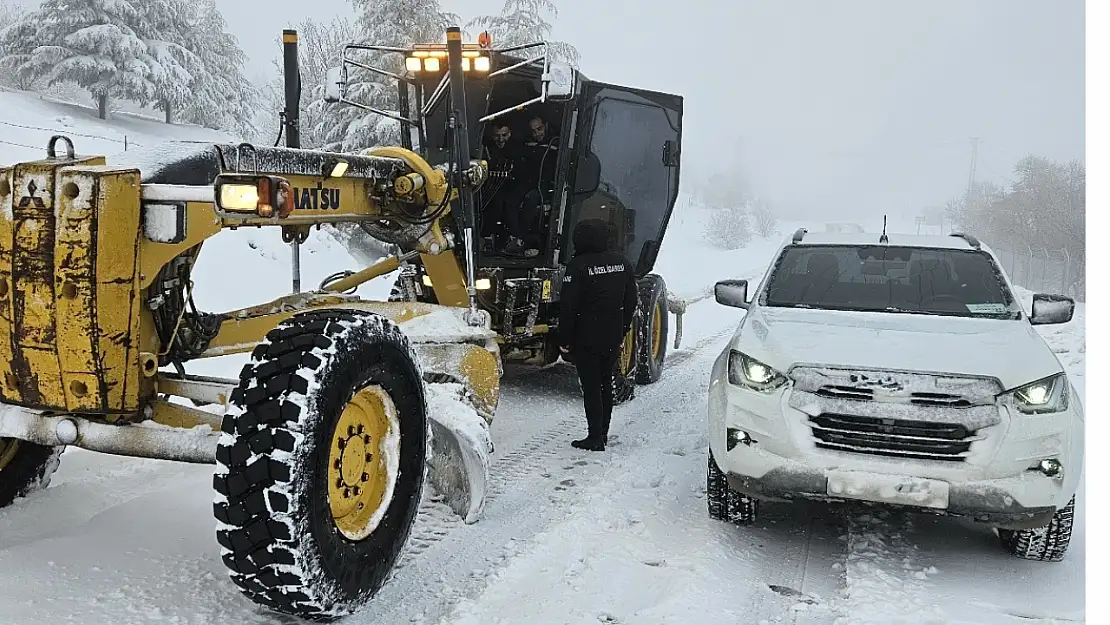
column 971, row 171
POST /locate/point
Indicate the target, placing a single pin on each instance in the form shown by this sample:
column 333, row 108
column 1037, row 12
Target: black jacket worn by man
column 597, row 305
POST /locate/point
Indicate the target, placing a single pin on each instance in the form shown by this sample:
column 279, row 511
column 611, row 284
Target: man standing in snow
column 596, row 307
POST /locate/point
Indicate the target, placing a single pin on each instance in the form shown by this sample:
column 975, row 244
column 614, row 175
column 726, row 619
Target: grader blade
column 458, row 458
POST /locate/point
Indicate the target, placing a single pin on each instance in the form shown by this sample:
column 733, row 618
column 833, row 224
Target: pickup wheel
column 1048, row 543
column 724, row 503
column 25, row 468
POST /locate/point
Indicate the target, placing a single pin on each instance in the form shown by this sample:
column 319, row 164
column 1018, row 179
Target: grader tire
column 321, row 464
column 25, row 468
column 624, row 374
column 653, row 331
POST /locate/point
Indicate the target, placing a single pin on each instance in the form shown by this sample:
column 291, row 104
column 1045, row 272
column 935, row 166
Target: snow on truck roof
column 895, row 239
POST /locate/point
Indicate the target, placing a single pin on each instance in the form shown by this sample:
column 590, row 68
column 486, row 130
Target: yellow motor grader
column 345, row 406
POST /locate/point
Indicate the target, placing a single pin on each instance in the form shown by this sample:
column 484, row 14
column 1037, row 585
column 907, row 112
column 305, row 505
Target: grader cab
column 613, row 153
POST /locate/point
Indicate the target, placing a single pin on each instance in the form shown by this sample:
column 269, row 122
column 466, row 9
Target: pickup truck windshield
column 886, row 278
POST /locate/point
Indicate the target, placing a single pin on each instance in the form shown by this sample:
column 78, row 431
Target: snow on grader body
column 346, row 407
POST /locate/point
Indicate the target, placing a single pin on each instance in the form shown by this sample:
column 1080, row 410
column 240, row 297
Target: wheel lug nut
column 339, row 483
column 369, row 457
column 357, row 491
column 338, row 463
column 350, row 430
column 365, row 477
column 346, row 493
column 361, row 429
column 341, row 443
column 366, row 438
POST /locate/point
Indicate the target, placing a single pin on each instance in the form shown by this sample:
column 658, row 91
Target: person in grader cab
column 534, row 186
column 503, row 153
column 597, row 304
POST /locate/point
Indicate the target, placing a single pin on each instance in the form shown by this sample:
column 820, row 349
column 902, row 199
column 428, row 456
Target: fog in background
column 855, row 108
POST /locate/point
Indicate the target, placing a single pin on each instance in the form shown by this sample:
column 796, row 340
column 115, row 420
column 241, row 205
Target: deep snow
column 566, row 537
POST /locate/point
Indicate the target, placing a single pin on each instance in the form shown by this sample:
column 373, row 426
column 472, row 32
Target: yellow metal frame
column 83, row 340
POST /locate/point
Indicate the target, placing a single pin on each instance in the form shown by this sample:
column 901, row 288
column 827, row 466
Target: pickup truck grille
column 892, row 437
column 947, row 400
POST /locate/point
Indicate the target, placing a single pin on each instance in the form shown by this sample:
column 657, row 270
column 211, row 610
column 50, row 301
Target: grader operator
column 345, row 407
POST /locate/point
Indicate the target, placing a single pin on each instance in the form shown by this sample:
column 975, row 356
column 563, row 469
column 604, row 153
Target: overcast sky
column 860, row 106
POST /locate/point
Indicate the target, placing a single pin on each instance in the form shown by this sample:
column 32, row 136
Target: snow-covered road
column 568, row 536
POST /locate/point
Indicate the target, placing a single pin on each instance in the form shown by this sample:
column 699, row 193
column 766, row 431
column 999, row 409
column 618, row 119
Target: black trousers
column 595, row 365
column 522, row 207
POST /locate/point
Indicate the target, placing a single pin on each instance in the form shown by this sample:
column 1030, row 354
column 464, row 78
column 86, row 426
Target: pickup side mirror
column 732, row 293
column 1051, row 309
column 335, row 84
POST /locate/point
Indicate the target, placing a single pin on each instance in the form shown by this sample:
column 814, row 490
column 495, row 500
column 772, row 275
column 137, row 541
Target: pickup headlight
column 743, row 370
column 1042, row 396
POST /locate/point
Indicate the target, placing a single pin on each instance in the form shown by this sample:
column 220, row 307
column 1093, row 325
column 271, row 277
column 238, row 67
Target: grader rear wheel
column 25, row 468
column 322, row 463
column 653, row 349
column 624, row 374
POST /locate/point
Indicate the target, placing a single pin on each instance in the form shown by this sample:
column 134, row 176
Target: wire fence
column 1045, row 271
column 69, row 133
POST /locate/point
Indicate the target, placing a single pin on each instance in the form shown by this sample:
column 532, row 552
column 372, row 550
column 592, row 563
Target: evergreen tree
column 92, row 43
column 399, row 23
column 220, row 96
column 166, row 28
column 522, row 22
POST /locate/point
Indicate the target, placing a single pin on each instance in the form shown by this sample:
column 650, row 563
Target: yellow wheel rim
column 8, row 448
column 627, row 352
column 657, row 331
column 363, row 462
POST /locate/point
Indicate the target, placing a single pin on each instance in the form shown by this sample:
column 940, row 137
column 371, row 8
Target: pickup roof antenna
column 883, row 238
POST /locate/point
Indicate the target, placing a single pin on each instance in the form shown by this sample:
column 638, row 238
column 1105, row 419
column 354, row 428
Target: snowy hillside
column 567, row 537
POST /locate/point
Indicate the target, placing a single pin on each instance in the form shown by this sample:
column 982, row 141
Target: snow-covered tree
column 728, row 227
column 92, row 43
column 220, row 96
column 397, row 23
column 13, row 29
column 522, row 22
column 165, row 26
column 763, row 217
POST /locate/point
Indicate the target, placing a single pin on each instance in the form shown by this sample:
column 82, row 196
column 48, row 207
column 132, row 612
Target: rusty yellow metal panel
column 34, row 336
column 96, row 283
column 74, row 267
column 118, row 294
column 9, row 386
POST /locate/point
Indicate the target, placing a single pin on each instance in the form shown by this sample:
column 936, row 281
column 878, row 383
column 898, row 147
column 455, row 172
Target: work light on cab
column 265, row 196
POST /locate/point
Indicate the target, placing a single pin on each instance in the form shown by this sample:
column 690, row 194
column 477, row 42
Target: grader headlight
column 433, row 59
column 265, row 196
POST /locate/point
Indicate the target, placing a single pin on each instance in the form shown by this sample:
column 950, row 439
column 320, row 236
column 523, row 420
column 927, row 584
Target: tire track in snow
column 532, row 486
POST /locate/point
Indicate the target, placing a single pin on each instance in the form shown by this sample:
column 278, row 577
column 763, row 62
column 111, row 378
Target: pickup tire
column 725, row 504
column 1048, row 543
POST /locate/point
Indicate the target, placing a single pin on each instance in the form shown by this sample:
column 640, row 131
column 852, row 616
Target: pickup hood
column 1010, row 351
